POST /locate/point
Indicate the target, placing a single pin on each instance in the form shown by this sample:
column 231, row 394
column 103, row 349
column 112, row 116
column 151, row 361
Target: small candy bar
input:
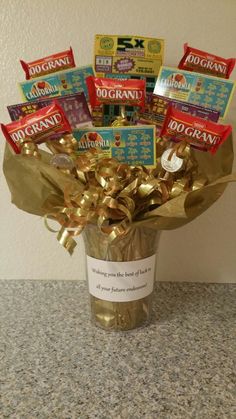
column 203, row 62
column 116, row 91
column 202, row 134
column 51, row 64
column 37, row 126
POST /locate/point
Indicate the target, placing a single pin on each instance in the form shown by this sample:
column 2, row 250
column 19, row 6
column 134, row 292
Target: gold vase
column 125, row 306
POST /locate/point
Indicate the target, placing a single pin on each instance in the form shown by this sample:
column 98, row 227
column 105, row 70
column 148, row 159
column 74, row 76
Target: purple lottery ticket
column 75, row 107
column 156, row 108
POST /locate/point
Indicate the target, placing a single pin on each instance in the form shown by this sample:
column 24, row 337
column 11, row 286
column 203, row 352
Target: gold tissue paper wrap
column 39, row 188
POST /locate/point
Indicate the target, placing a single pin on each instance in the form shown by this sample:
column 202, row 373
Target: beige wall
column 202, row 251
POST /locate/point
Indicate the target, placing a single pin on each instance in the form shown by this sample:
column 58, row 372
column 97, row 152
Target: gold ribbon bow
column 113, row 194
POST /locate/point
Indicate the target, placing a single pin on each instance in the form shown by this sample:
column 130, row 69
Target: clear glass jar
column 127, row 300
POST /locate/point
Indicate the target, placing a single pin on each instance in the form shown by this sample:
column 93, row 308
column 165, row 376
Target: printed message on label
column 121, row 281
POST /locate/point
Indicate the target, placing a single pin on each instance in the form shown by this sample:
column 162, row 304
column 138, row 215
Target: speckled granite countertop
column 54, row 364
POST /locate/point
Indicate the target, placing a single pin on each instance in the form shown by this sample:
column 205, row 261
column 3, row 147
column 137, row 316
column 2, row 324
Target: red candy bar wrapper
column 38, row 126
column 51, row 64
column 200, row 133
column 204, row 62
column 116, row 91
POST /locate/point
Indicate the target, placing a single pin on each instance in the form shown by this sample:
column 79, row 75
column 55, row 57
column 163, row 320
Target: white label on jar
column 121, row 281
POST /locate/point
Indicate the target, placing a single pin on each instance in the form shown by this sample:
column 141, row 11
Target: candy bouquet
column 117, row 152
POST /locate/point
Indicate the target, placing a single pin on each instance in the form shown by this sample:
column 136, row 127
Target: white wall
column 202, row 251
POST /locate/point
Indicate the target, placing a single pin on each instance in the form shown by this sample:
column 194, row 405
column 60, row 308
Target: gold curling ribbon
column 63, row 236
column 147, row 187
column 29, row 148
column 121, row 120
column 178, row 187
column 114, row 194
column 67, row 144
column 65, row 239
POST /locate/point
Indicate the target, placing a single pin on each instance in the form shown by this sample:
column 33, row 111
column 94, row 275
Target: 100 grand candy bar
column 37, row 126
column 51, row 64
column 204, row 62
column 115, row 91
column 202, row 134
